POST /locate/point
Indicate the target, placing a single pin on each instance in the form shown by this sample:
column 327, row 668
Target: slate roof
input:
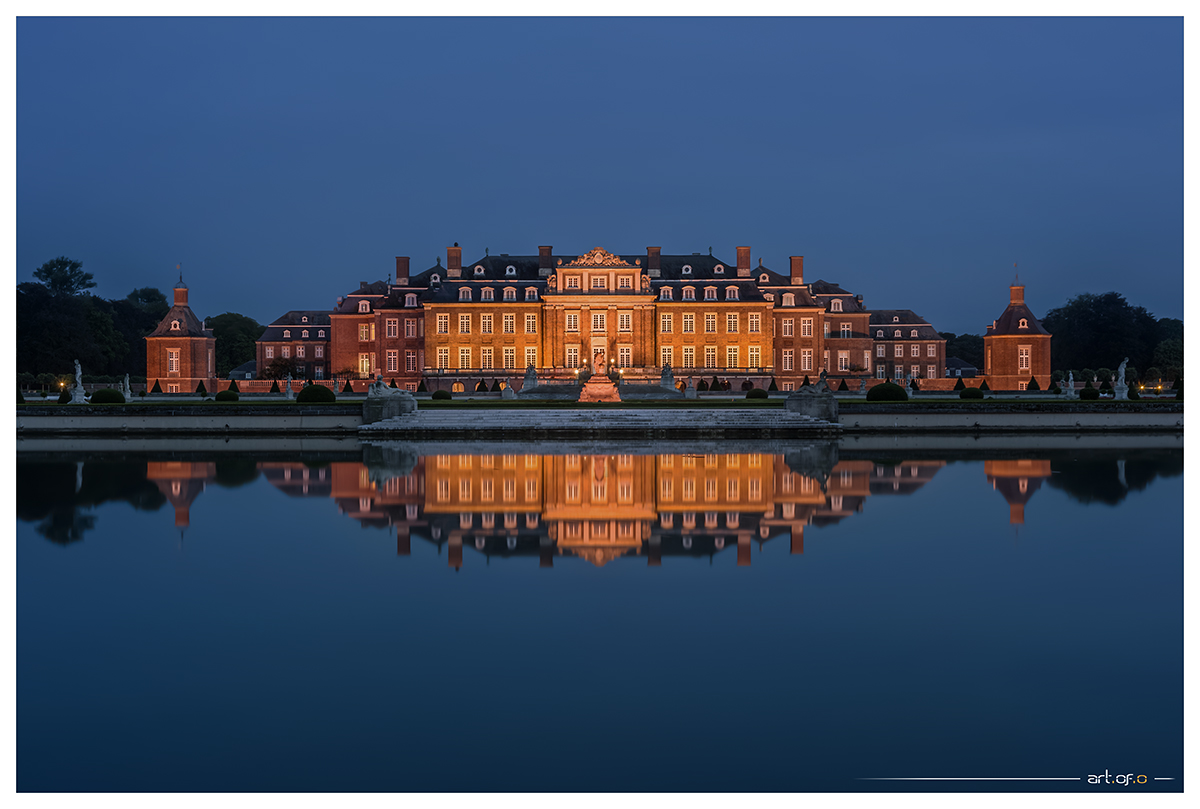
column 294, row 321
column 189, row 324
column 1010, row 321
column 242, row 370
column 954, row 363
column 884, row 319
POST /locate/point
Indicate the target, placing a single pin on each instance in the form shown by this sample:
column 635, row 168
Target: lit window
column 710, row 293
column 510, row 294
column 845, row 330
column 624, row 282
column 710, row 323
column 572, row 282
column 1024, row 323
column 320, row 332
column 270, row 352
column 625, row 321
column 789, row 299
column 531, row 294
column 443, row 324
column 754, row 323
column 485, row 324
column 598, row 321
column 835, row 305
column 410, row 300
column 393, row 328
column 912, row 333
column 487, row 294
column 665, row 293
column 806, row 326
column 531, row 324
column 572, row 321
column 731, row 293
column 689, row 293
column 464, row 324
column 787, row 326
column 174, row 325
column 364, row 306
column 464, row 294
column 731, row 323
column 689, row 323
column 304, row 333
column 510, row 324
column 599, row 282
column 806, row 359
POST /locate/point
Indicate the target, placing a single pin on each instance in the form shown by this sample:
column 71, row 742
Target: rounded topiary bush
column 1055, row 389
column 887, row 392
column 441, row 395
column 970, row 393
column 1089, row 394
column 315, row 394
column 108, row 396
column 756, row 393
column 227, row 396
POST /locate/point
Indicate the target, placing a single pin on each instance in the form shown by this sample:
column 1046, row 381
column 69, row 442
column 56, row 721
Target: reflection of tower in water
column 1017, row 481
column 181, row 482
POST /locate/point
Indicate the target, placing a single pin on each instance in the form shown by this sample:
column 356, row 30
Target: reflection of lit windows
column 464, row 489
column 710, row 488
column 689, row 461
column 572, row 491
column 710, row 519
column 786, row 483
column 755, row 487
column 666, row 520
column 689, row 488
column 466, row 520
column 710, row 461
column 574, row 530
column 488, row 521
column 845, row 476
column 1023, row 485
column 689, row 520
column 754, row 461
column 624, row 462
column 572, row 462
column 807, row 485
column 485, row 490
column 789, row 511
column 465, row 461
column 666, row 461
column 599, row 492
column 531, row 489
column 731, row 489
column 836, row 502
column 510, row 489
column 912, row 471
column 624, row 529
column 486, row 462
column 667, row 488
column 410, row 511
column 732, row 519
column 531, row 520
column 531, row 461
column 510, row 461
column 443, row 490
column 364, row 504
column 443, row 462
column 480, row 542
column 624, row 492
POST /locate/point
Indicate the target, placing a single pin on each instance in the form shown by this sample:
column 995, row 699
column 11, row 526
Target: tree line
column 59, row 321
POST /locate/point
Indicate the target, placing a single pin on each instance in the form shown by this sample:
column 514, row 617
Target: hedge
column 970, row 393
column 441, row 395
column 229, row 395
column 64, row 397
column 1089, row 394
column 756, row 393
column 108, row 396
column 887, row 392
column 315, row 394
column 233, row 386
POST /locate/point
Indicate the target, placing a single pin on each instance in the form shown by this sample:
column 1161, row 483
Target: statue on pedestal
column 287, row 391
column 668, row 376
column 1070, row 390
column 598, row 363
column 77, row 394
column 126, row 391
column 531, row 378
column 1120, row 388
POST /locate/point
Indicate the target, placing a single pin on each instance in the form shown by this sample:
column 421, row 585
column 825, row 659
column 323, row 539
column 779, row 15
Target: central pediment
column 599, row 257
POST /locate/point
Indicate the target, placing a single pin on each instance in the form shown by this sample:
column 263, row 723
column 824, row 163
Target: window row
column 487, row 358
column 486, row 324
column 287, row 333
column 689, row 294
column 914, row 350
column 286, row 353
column 687, row 322
column 488, row 294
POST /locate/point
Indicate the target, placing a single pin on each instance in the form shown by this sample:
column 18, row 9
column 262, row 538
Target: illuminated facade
column 180, row 351
column 1016, row 347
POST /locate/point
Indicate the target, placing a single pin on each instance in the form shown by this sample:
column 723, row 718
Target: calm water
column 604, row 621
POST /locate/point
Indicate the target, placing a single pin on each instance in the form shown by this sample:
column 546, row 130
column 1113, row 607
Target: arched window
column 478, row 270
column 687, row 269
column 719, row 269
column 464, row 294
column 304, row 319
column 531, row 294
column 320, row 332
column 487, row 295
column 789, row 299
column 897, row 334
column 457, row 387
column 1024, row 323
column 912, row 333
column 895, row 319
column 731, row 293
column 410, row 300
column 665, row 293
column 710, row 293
column 364, row 306
column 835, row 305
column 174, row 325
column 304, row 333
column 689, row 293
column 510, row 294
column 764, row 278
column 879, row 333
column 287, row 334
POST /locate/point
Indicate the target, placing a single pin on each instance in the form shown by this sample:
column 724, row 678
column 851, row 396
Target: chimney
column 402, row 270
column 797, row 270
column 545, row 261
column 743, row 254
column 454, row 261
column 1016, row 294
column 653, row 262
column 181, row 295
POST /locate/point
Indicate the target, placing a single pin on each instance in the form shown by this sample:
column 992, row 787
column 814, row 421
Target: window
column 899, row 350
column 531, row 294
column 410, row 300
column 485, row 324
column 710, row 356
column 531, row 324
column 300, row 352
column 689, row 293
column 410, row 361
column 835, row 305
column 599, row 282
column 364, row 364
column 880, row 351
column 464, row 324
column 319, row 352
column 410, row 327
column 731, row 293
column 443, row 324
column 624, row 282
column 488, row 294
column 1023, row 357
column 364, row 332
column 572, row 282
column 510, row 358
column 710, row 293
column 665, row 293
column 530, row 356
column 689, row 357
column 787, row 326
column 789, row 299
column 665, row 324
column 843, row 361
column 304, row 333
column 667, row 356
column 914, row 371
column 598, row 321
column 826, row 324
column 806, row 327
column 710, row 323
column 719, row 269
column 510, row 324
column 754, row 323
column 625, row 321
column 464, row 357
column 825, row 361
column 174, row 388
column 867, row 361
column 572, row 321
column 931, row 371
column 913, row 334
column 320, row 332
column 364, row 306
column 393, row 362
column 731, row 323
column 510, row 294
column 687, row 269
column 443, row 358
column 805, row 359
column 880, row 371
column 1022, row 386
column 689, row 323
column 287, row 334
column 393, row 328
column 285, row 352
column 485, row 358
column 270, row 352
column 896, row 333
column 624, row 356
column 755, row 357
column 464, row 294
column 879, row 333
column 896, row 319
column 572, row 356
column 319, row 371
column 173, row 360
column 845, row 330
column 1024, row 323
column 931, row 350
column 731, row 357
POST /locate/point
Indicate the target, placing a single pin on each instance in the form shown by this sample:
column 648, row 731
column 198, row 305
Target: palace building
column 1016, row 347
column 179, row 352
column 460, row 325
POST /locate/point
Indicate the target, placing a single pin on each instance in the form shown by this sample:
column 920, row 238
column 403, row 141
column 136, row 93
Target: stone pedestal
column 77, row 395
column 816, row 401
column 599, row 388
column 395, row 403
column 1120, row 391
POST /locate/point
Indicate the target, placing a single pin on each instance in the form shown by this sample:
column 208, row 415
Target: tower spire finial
column 1016, row 276
column 179, row 267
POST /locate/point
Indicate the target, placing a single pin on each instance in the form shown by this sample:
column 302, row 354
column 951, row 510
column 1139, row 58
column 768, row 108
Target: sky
column 910, row 160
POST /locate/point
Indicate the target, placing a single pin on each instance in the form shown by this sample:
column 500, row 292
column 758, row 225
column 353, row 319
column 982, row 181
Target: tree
column 279, row 368
column 64, row 277
column 1168, row 355
column 150, row 300
column 236, row 336
column 967, row 347
column 1099, row 330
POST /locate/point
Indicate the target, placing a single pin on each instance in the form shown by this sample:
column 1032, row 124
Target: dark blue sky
column 910, row 160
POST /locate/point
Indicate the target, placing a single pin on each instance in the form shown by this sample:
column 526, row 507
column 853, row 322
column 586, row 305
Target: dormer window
column 835, row 305
column 304, row 319
column 710, row 293
column 478, row 270
column 789, row 299
column 304, row 333
column 435, row 279
column 687, row 269
column 897, row 334
column 895, row 319
column 572, row 282
column 719, row 269
column 531, row 294
column 665, row 293
column 689, row 293
column 764, row 278
column 913, row 333
column 174, row 325
column 287, row 334
column 409, row 300
column 487, row 295
column 320, row 332
column 731, row 293
column 464, row 294
column 624, row 282
column 1024, row 323
column 879, row 333
column 510, row 271
column 510, row 294
column 364, row 306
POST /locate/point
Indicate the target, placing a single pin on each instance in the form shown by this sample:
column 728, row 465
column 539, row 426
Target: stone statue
column 531, row 378
column 1120, row 388
column 1121, row 370
column 126, row 390
column 385, row 403
column 287, row 391
column 598, row 363
column 668, row 376
column 821, row 379
column 78, row 375
column 552, row 283
column 1070, row 384
column 377, row 388
column 77, row 394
